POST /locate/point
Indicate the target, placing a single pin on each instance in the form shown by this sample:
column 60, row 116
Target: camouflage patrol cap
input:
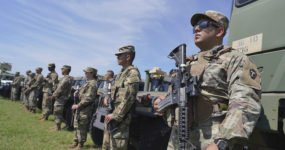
column 216, row 16
column 28, row 71
column 32, row 74
column 66, row 67
column 39, row 68
column 90, row 69
column 126, row 49
column 51, row 65
column 17, row 73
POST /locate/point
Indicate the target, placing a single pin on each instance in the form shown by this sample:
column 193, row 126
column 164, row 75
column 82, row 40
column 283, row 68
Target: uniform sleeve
column 244, row 99
column 39, row 81
column 132, row 87
column 89, row 96
column 18, row 81
column 60, row 88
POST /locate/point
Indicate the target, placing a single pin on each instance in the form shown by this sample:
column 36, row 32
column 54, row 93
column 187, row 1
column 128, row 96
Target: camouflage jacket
column 87, row 93
column 50, row 82
column 39, row 82
column 229, row 87
column 26, row 81
column 63, row 89
column 17, row 82
column 124, row 91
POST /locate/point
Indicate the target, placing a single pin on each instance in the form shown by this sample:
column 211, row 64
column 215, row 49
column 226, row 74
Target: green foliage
column 21, row 130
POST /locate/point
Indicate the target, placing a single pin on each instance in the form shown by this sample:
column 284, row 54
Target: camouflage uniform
column 123, row 94
column 228, row 104
column 87, row 95
column 15, row 86
column 48, row 87
column 26, row 86
column 62, row 94
column 36, row 87
column 31, row 94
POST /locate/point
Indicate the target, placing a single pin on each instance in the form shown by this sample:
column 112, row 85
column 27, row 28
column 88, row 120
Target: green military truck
column 257, row 29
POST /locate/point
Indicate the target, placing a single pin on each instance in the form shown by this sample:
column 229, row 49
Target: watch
column 221, row 143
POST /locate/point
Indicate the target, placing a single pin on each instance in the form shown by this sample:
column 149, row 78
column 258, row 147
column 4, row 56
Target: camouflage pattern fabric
column 228, row 104
column 87, row 96
column 15, row 88
column 49, row 85
column 26, row 95
column 123, row 94
column 32, row 101
column 37, row 85
column 61, row 94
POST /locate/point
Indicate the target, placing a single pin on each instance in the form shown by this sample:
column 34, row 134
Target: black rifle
column 184, row 88
column 75, row 102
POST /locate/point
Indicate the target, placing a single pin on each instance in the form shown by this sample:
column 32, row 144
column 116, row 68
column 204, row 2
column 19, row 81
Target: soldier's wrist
column 221, row 143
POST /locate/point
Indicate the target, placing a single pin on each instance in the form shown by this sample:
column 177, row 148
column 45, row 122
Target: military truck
column 6, row 79
column 257, row 29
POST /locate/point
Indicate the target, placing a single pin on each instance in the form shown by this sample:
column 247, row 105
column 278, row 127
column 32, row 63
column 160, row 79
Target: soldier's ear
column 220, row 32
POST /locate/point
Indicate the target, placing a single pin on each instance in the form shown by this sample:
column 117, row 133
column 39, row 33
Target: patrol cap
column 51, row 65
column 126, row 49
column 39, row 68
column 66, row 67
column 17, row 73
column 216, row 16
column 32, row 74
column 28, row 71
column 90, row 69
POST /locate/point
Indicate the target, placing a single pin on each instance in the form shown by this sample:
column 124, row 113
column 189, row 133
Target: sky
column 83, row 33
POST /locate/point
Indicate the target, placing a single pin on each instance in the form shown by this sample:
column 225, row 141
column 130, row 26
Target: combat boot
column 58, row 128
column 74, row 145
column 80, row 146
column 42, row 118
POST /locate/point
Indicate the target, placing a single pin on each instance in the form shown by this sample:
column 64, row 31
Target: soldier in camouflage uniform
column 49, row 85
column 23, row 96
column 61, row 96
column 87, row 95
column 228, row 104
column 15, row 86
column 25, row 87
column 31, row 93
column 123, row 94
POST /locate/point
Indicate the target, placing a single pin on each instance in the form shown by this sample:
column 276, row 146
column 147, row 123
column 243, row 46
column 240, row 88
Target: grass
column 21, row 130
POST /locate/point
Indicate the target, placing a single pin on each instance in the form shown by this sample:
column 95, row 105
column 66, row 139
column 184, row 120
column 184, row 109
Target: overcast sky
column 84, row 33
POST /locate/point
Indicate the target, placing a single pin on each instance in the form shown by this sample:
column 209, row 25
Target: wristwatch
column 221, row 143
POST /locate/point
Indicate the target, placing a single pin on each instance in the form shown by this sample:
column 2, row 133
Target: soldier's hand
column 212, row 146
column 51, row 97
column 109, row 117
column 74, row 107
column 106, row 101
column 155, row 104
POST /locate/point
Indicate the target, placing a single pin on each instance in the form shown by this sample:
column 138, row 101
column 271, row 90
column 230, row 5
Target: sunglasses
column 205, row 24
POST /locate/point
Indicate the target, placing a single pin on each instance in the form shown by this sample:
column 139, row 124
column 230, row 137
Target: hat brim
column 197, row 17
column 86, row 70
column 119, row 53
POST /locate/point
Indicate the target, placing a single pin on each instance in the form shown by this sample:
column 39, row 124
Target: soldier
column 15, row 86
column 228, row 104
column 109, row 78
column 37, row 86
column 61, row 95
column 87, row 95
column 49, row 85
column 25, row 87
column 31, row 93
column 123, row 94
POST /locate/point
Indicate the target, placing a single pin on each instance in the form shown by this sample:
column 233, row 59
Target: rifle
column 75, row 102
column 184, row 89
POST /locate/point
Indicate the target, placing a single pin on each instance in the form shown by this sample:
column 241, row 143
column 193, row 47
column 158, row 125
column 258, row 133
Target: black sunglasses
column 205, row 24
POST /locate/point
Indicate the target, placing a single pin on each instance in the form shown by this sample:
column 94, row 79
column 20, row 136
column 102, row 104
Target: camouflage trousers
column 32, row 100
column 14, row 93
column 201, row 136
column 116, row 139
column 46, row 104
column 81, row 120
column 58, row 110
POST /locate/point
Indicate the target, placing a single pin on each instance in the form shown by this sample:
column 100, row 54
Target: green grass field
column 21, row 130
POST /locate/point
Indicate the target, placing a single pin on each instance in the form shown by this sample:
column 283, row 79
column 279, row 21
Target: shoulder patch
column 250, row 75
column 134, row 76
